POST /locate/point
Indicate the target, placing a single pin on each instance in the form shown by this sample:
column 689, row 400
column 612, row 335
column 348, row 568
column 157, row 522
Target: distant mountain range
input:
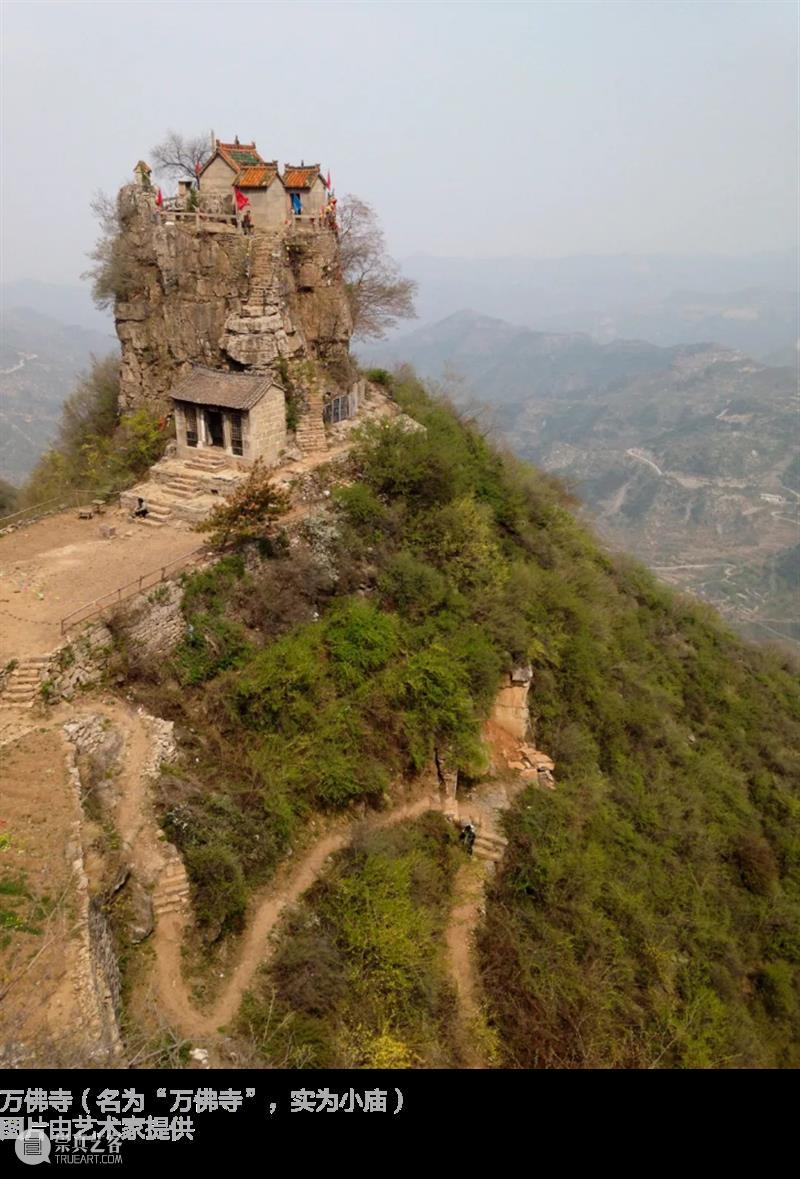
column 686, row 456
column 40, row 359
column 749, row 302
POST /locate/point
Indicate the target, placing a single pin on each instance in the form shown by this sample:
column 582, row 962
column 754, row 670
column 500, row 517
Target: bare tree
column 114, row 272
column 379, row 294
column 179, row 157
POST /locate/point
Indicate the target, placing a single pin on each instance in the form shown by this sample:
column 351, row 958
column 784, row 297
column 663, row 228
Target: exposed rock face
column 510, row 711
column 208, row 294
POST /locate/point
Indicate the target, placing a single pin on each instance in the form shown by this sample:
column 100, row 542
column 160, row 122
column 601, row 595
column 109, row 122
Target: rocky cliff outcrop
column 205, row 293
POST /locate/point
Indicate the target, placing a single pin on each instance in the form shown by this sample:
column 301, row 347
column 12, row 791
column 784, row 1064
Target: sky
column 474, row 129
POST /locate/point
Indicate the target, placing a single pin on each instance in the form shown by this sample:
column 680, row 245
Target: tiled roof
column 302, row 177
column 236, row 155
column 209, row 386
column 260, row 176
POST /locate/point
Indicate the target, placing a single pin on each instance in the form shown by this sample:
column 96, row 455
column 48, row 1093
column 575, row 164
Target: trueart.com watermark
column 33, row 1146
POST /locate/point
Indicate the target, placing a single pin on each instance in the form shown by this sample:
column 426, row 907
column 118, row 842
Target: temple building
column 239, row 415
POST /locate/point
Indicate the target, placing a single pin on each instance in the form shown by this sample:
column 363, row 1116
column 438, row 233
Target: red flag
column 159, row 198
column 241, row 199
column 328, row 181
column 197, row 168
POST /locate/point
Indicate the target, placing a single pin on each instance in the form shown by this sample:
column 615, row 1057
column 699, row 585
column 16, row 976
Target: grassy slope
column 648, row 911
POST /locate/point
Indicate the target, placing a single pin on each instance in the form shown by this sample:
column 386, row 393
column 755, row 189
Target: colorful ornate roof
column 302, row 177
column 258, row 176
column 236, row 155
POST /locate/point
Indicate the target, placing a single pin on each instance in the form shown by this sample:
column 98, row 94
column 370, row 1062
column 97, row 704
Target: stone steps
column 171, row 894
column 310, row 433
column 181, row 490
column 208, row 465
column 489, row 847
column 22, row 685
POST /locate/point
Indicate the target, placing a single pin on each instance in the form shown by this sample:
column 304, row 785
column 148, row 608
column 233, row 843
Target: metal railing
column 67, row 499
column 139, row 585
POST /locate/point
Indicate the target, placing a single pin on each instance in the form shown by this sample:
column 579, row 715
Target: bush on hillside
column 8, row 498
column 98, row 448
column 248, row 513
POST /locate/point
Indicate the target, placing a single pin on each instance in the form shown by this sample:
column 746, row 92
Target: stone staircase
column 22, row 685
column 206, row 461
column 310, row 434
column 171, row 893
column 489, row 846
column 159, row 514
column 183, row 491
column 265, row 263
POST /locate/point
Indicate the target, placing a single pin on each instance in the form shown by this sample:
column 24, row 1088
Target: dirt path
column 292, row 881
column 464, row 918
column 151, row 859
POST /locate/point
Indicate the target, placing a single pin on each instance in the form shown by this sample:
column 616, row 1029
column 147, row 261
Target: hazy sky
column 475, row 129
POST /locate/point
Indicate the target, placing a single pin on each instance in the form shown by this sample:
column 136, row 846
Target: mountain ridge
column 683, row 454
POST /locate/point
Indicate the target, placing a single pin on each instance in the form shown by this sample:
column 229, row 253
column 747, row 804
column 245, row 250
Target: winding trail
column 151, row 855
column 287, row 888
column 152, row 860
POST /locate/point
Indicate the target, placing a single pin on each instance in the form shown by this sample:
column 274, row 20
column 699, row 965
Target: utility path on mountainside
column 153, row 861
column 292, row 880
column 149, row 854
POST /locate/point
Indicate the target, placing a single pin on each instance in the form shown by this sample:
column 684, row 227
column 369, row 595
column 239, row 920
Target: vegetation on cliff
column 98, row 448
column 646, row 913
column 8, row 497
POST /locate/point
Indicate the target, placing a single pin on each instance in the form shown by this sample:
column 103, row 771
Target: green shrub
column 97, row 448
column 361, row 507
column 281, row 686
column 356, row 979
column 777, row 983
column 414, row 588
column 212, row 645
column 219, row 894
column 379, row 376
column 360, row 640
column 248, row 513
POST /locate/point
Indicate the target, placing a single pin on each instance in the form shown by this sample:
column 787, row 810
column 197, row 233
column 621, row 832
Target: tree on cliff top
column 179, row 157
column 250, row 510
column 379, row 295
column 115, row 272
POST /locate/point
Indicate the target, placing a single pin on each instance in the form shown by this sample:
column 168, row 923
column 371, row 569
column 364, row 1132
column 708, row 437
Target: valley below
column 683, row 456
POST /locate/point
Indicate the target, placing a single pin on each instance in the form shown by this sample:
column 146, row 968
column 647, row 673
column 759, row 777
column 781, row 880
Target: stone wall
column 266, row 436
column 96, row 975
column 218, row 177
column 154, row 623
column 81, row 662
column 270, row 206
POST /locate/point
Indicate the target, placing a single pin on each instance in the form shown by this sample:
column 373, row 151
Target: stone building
column 269, row 201
column 307, row 191
column 241, row 416
column 223, row 166
column 274, row 199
